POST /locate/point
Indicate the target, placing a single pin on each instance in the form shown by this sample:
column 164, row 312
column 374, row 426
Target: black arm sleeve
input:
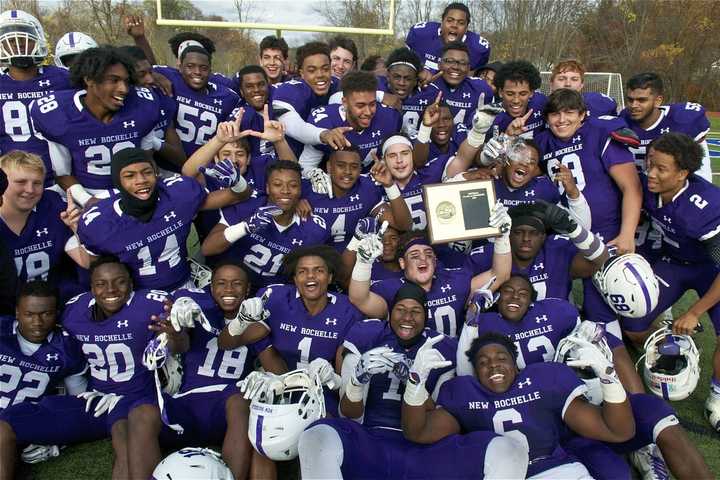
column 712, row 247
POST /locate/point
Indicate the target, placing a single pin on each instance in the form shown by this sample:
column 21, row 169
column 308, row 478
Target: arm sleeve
column 310, row 158
column 299, row 129
column 580, row 210
column 60, row 158
column 705, row 170
column 712, row 247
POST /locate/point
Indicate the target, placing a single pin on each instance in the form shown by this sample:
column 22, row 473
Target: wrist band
column 392, row 192
column 423, row 134
column 79, row 194
column 235, row 232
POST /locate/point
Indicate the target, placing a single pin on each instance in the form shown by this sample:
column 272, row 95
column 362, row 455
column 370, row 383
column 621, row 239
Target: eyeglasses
column 455, row 63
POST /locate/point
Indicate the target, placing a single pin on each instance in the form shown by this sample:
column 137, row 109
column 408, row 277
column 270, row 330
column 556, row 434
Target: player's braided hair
column 518, row 71
column 94, row 62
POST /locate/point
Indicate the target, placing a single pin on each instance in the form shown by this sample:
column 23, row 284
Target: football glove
column 39, row 453
column 557, row 218
column 325, row 372
column 105, row 404
column 500, row 218
column 426, row 360
column 263, row 218
column 375, row 361
column 156, row 352
column 251, row 310
column 320, row 182
column 185, row 312
column 226, row 173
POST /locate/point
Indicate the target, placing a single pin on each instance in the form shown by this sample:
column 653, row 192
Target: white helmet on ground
column 191, row 464
column 71, row 44
column 594, row 333
column 22, row 39
column 671, row 366
column 628, row 285
column 276, row 424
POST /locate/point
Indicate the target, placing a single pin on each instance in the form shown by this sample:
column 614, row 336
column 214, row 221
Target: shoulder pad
column 687, row 112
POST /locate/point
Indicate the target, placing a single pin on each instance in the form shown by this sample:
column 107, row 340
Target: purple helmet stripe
column 71, row 39
column 13, row 14
column 258, row 435
column 646, row 294
column 665, row 391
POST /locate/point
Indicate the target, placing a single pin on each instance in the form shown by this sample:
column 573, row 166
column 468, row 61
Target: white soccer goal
column 610, row 84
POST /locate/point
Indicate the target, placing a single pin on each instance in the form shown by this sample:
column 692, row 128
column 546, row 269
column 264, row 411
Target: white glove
column 320, row 182
column 482, row 121
column 375, row 361
column 369, row 248
column 492, row 151
column 500, row 218
column 105, row 404
column 156, row 352
column 39, row 453
column 325, row 372
column 185, row 312
column 426, row 360
column 589, row 355
column 259, row 384
column 251, row 310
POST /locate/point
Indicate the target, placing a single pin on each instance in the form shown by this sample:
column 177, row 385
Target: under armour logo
column 446, row 288
column 44, row 83
column 376, row 133
column 538, row 266
column 665, row 259
column 530, row 193
column 122, row 323
column 667, row 219
column 331, row 322
column 169, row 215
column 129, row 124
column 297, row 242
column 542, row 318
column 466, row 95
column 665, row 130
column 217, row 102
column 577, row 138
column 52, row 356
column 355, row 198
column 537, row 114
column 422, row 102
column 42, row 232
column 524, row 383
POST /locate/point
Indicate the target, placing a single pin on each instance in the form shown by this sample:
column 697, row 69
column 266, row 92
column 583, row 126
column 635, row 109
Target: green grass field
column 94, row 460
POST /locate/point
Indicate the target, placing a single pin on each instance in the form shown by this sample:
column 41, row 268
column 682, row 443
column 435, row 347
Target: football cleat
column 649, row 463
column 712, row 411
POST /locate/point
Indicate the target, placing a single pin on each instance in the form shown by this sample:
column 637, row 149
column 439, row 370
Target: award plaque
column 459, row 210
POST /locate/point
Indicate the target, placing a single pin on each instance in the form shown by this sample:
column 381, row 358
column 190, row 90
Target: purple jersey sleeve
column 599, row 104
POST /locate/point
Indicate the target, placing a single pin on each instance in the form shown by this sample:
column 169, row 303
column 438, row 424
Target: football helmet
column 276, row 423
column 192, row 463
column 71, row 44
column 171, row 374
column 200, row 274
column 589, row 332
column 22, row 39
column 628, row 285
column 671, row 364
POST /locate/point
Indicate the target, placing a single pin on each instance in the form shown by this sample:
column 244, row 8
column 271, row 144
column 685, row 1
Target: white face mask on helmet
column 671, row 364
column 71, row 44
column 275, row 425
column 590, row 332
column 192, row 464
column 22, row 39
column 628, row 285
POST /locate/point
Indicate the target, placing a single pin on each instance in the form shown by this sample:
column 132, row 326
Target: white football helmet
column 628, row 285
column 70, row 44
column 171, row 374
column 275, row 425
column 200, row 274
column 671, row 366
column 191, row 464
column 594, row 333
column 22, row 39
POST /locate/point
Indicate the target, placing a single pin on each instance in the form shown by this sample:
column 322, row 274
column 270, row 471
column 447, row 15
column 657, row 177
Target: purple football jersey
column 40, row 247
column 692, row 217
column 531, row 410
column 262, row 252
column 425, row 40
column 688, row 118
column 534, row 125
column 539, row 188
column 379, row 272
column 81, row 144
column 114, row 347
column 29, row 377
column 463, row 99
column 17, row 132
column 599, row 104
column 537, row 334
column 155, row 251
column 457, row 137
column 297, row 96
column 199, row 112
column 168, row 112
column 233, row 82
column 445, row 300
column 432, row 172
column 203, row 363
column 413, row 107
column 342, row 214
column 590, row 154
column 384, row 398
column 299, row 337
column 385, row 123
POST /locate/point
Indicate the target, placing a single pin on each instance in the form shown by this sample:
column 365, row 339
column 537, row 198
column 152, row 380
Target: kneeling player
column 374, row 371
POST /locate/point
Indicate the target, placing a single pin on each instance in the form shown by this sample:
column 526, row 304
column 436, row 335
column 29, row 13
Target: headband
column 408, row 64
column 419, row 240
column 189, row 43
column 395, row 140
column 530, row 220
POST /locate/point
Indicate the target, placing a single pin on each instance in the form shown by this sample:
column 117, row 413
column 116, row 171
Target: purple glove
column 263, row 218
column 224, row 171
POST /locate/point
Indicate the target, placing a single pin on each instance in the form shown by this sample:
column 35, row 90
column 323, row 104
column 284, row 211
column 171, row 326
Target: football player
column 571, row 74
column 369, row 441
column 86, row 126
column 23, row 80
column 148, row 223
column 531, row 406
column 343, row 56
column 368, row 123
column 273, row 58
column 254, row 87
column 427, row 39
column 70, row 46
column 649, row 118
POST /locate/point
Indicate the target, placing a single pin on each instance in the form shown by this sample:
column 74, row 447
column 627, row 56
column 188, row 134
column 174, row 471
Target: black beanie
column 140, row 209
